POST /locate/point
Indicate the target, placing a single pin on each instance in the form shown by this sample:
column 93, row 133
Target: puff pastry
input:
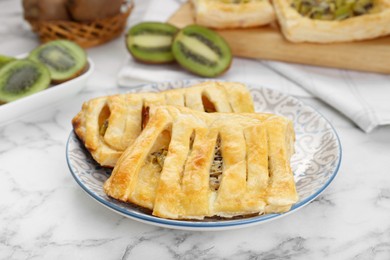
column 190, row 165
column 224, row 14
column 108, row 125
column 297, row 28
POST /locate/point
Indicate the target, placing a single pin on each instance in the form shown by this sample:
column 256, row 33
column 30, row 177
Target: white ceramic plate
column 13, row 110
column 315, row 162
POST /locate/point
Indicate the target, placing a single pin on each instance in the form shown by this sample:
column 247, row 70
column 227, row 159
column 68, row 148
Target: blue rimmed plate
column 315, row 162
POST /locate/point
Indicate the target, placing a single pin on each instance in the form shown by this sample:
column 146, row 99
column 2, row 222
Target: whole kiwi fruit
column 90, row 10
column 46, row 10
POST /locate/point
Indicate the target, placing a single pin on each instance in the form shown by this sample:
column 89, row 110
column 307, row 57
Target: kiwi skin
column 42, row 79
column 78, row 73
column 204, row 70
column 73, row 49
column 165, row 27
column 5, row 59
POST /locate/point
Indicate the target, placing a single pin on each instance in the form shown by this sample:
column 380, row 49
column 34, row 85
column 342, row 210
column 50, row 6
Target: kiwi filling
column 216, row 167
column 103, row 120
column 57, row 58
column 103, row 128
column 332, row 9
column 158, row 157
column 238, row 1
column 21, row 79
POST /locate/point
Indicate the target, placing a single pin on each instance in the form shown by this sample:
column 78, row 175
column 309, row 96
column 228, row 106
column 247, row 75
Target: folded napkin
column 362, row 97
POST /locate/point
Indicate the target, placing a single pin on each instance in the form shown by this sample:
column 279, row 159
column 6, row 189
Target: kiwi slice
column 64, row 59
column 21, row 78
column 201, row 51
column 5, row 59
column 150, row 42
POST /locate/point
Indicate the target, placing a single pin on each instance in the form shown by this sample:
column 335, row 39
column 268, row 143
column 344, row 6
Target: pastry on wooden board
column 108, row 125
column 188, row 164
column 330, row 21
column 225, row 14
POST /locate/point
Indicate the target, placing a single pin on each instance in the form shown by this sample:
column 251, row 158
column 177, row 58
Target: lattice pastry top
column 190, row 165
column 108, row 125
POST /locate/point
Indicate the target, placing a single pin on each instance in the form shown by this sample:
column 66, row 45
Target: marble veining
column 45, row 215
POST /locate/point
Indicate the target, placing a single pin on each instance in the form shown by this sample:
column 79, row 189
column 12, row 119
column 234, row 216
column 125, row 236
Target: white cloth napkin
column 362, row 97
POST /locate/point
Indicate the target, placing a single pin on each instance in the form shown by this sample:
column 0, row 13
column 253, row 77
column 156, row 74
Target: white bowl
column 14, row 110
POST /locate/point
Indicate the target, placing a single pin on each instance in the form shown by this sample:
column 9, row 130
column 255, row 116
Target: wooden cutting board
column 268, row 43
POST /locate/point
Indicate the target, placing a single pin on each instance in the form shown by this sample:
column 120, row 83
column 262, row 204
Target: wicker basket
column 86, row 34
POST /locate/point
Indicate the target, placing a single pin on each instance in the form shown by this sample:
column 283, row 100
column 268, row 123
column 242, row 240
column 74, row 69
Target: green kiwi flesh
column 5, row 59
column 64, row 59
column 150, row 42
column 201, row 51
column 21, row 78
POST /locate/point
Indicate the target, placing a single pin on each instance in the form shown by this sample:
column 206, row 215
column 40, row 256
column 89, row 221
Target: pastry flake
column 225, row 14
column 108, row 125
column 190, row 165
column 352, row 22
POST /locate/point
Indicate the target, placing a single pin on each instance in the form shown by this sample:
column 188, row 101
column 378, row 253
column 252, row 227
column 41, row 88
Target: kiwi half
column 201, row 51
column 150, row 42
column 21, row 78
column 64, row 59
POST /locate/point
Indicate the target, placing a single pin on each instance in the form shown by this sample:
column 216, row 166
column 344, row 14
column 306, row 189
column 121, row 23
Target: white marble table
column 44, row 214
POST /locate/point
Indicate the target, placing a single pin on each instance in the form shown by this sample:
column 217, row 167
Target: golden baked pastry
column 327, row 21
column 108, row 125
column 190, row 165
column 224, row 14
